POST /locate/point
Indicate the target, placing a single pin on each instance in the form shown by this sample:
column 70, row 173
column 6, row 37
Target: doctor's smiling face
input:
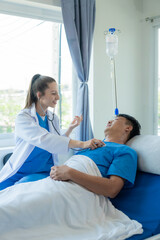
column 43, row 91
column 50, row 96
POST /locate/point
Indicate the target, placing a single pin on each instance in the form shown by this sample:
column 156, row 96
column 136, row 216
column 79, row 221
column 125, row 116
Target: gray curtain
column 79, row 19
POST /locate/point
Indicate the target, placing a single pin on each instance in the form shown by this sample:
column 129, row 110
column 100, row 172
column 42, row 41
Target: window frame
column 31, row 9
column 50, row 11
column 155, row 127
column 156, row 27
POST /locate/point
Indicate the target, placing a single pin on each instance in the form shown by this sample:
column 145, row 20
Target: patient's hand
column 60, row 173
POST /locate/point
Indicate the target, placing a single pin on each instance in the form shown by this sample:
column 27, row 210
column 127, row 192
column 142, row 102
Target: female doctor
column 38, row 138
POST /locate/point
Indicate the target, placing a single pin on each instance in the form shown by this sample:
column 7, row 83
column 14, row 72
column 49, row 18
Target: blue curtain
column 79, row 19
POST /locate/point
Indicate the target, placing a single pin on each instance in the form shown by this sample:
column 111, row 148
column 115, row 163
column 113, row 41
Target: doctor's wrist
column 70, row 128
column 75, row 144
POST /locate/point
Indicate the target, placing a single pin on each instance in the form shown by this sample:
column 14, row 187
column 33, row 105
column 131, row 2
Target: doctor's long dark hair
column 39, row 83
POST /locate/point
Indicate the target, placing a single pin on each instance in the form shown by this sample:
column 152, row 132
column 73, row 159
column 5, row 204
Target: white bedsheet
column 48, row 209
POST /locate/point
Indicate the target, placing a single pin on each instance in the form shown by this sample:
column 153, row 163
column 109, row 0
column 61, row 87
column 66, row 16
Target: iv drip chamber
column 111, row 43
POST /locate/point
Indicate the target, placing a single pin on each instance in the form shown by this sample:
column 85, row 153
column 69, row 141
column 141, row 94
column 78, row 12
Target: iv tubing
column 115, row 86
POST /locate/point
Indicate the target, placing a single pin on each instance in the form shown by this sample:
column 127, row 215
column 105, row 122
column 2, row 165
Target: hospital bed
column 142, row 202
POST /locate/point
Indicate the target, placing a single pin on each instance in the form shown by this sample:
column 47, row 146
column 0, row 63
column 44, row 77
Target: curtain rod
column 151, row 19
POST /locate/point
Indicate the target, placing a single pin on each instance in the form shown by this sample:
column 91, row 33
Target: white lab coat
column 29, row 134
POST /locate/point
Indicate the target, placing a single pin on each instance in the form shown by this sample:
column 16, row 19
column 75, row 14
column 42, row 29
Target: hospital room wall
column 126, row 16
column 149, row 66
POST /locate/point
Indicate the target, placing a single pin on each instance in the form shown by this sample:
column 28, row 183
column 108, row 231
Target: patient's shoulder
column 124, row 149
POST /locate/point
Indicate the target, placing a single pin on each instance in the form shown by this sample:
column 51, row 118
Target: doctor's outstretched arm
column 92, row 144
column 28, row 130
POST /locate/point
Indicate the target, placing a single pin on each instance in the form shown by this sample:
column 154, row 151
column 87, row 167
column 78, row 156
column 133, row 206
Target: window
column 29, row 46
column 158, row 81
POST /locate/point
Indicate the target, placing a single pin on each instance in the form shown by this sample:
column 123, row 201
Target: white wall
column 126, row 16
column 150, row 9
column 135, row 63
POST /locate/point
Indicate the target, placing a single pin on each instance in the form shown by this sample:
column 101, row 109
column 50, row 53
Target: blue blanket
column 142, row 203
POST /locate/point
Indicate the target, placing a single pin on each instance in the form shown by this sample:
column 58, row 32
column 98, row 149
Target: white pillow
column 148, row 150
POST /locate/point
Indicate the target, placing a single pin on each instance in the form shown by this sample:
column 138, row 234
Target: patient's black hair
column 135, row 124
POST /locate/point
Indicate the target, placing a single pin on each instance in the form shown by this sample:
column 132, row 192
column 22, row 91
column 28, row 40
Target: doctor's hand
column 60, row 173
column 76, row 122
column 93, row 143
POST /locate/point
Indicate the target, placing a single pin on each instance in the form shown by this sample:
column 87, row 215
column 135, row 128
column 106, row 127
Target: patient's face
column 117, row 125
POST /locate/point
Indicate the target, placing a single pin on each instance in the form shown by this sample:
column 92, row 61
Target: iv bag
column 111, row 43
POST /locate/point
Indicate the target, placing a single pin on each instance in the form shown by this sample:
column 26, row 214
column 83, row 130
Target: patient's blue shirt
column 114, row 159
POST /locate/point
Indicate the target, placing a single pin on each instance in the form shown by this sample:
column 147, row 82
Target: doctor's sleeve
column 28, row 130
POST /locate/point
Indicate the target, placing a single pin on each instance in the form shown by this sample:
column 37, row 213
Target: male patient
column 116, row 161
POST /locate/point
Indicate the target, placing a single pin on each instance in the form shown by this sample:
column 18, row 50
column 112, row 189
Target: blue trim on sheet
column 142, row 203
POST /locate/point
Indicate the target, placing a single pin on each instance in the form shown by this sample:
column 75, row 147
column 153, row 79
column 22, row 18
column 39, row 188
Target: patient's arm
column 108, row 187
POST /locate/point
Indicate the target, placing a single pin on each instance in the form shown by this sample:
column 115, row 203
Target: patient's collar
column 113, row 139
